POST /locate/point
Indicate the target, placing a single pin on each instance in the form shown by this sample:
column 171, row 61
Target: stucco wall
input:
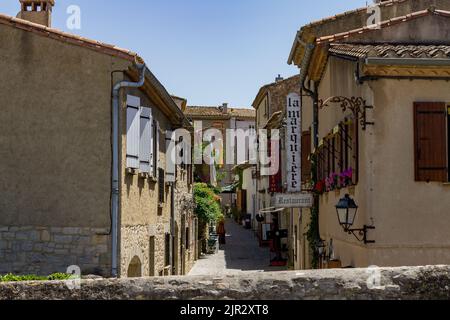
column 410, row 217
column 55, row 142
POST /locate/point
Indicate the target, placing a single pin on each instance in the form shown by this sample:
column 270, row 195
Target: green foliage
column 207, row 203
column 312, row 234
column 16, row 278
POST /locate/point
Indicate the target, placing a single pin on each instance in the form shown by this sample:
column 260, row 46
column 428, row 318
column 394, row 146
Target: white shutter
column 133, row 123
column 170, row 156
column 151, row 145
column 157, row 150
column 144, row 145
column 185, row 148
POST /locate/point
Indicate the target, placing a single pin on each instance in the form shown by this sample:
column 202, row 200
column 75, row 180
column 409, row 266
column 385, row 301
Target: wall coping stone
column 411, row 283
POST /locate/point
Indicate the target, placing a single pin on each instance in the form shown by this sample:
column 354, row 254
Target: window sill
column 131, row 171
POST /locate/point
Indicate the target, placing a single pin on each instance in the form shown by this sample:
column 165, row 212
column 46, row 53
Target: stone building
column 222, row 118
column 376, row 104
column 270, row 105
column 83, row 144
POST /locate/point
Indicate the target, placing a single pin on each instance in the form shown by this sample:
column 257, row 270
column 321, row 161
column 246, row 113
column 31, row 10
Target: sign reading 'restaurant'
column 293, row 143
column 293, row 200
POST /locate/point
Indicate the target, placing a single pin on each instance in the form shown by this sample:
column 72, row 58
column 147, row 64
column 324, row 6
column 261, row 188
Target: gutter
column 407, row 62
column 115, row 163
column 309, row 49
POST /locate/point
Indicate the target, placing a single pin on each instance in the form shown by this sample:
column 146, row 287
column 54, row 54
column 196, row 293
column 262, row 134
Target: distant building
column 222, row 118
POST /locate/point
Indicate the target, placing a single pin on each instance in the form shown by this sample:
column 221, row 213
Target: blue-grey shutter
column 158, row 165
column 170, row 156
column 144, row 145
column 133, row 132
column 152, row 169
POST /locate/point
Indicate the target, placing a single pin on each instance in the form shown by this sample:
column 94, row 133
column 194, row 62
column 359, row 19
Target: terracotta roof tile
column 348, row 13
column 391, row 51
column 215, row 112
column 68, row 38
column 383, row 24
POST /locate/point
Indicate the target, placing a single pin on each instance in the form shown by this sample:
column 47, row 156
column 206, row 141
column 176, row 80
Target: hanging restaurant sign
column 293, row 143
column 275, row 181
column 293, row 200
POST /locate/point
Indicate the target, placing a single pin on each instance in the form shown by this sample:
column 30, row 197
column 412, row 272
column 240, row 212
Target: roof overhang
column 156, row 91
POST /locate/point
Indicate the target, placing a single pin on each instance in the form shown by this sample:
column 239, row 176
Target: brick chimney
column 225, row 108
column 37, row 11
column 279, row 79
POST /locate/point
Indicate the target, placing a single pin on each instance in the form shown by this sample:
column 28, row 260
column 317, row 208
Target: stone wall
column 46, row 250
column 185, row 218
column 417, row 283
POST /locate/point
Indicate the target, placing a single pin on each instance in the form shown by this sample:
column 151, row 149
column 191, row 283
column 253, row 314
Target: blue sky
column 208, row 51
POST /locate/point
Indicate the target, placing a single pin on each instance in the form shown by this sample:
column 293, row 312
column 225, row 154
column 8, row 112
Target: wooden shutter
column 430, row 141
column 306, row 152
column 145, row 141
column 170, row 156
column 133, row 132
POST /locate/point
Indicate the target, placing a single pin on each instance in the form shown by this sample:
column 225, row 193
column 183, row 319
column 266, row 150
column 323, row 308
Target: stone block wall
column 408, row 283
column 135, row 242
column 46, row 250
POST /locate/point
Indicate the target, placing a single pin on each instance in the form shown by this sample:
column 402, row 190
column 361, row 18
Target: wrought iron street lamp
column 346, row 211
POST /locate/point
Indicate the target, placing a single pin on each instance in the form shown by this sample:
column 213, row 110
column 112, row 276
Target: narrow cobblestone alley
column 241, row 253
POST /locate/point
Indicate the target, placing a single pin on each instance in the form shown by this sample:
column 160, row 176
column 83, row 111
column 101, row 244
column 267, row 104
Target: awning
column 271, row 210
column 230, row 188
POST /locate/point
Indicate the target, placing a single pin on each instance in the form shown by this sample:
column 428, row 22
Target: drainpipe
column 172, row 224
column 314, row 94
column 115, row 163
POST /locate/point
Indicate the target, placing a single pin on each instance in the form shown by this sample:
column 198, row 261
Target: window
column 188, row 239
column 161, row 185
column 337, row 156
column 152, row 256
column 431, row 135
column 190, row 175
column 306, row 152
column 155, row 146
column 167, row 249
column 181, row 154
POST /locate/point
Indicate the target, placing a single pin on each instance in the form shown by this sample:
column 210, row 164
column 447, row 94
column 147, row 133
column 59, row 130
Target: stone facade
column 416, row 283
column 46, row 250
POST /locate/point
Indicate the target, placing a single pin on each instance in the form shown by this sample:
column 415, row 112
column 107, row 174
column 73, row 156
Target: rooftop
column 69, row 38
column 216, row 112
column 391, row 51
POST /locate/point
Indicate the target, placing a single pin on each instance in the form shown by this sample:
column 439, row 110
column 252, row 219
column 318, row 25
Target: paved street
column 241, row 253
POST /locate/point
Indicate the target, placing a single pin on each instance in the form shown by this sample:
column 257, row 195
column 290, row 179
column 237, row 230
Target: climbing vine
column 312, row 234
